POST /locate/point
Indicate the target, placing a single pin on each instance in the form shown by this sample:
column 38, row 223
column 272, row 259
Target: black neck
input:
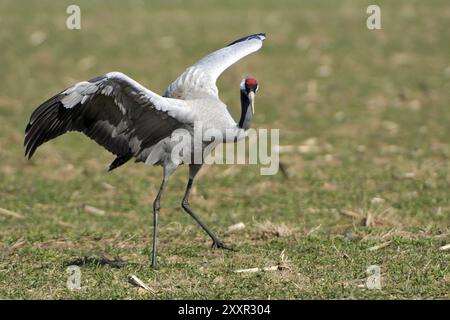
column 246, row 112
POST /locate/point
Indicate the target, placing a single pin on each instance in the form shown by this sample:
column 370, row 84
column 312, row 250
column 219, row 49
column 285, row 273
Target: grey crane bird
column 131, row 121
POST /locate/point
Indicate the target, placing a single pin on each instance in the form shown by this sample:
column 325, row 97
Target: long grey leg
column 193, row 170
column 155, row 221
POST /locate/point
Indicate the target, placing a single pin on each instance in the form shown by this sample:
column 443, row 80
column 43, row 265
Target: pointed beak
column 251, row 97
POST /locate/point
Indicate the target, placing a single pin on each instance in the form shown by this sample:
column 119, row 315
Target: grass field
column 369, row 185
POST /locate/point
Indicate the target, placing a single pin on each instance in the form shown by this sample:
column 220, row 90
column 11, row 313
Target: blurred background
column 363, row 114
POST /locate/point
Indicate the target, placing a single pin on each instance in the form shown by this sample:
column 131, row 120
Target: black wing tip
column 27, row 129
column 261, row 36
column 28, row 152
column 26, row 141
column 120, row 160
column 33, row 138
column 29, row 149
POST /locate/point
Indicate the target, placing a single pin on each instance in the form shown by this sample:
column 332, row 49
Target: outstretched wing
column 114, row 110
column 199, row 80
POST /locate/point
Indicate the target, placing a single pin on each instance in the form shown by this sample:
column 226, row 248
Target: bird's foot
column 154, row 264
column 217, row 244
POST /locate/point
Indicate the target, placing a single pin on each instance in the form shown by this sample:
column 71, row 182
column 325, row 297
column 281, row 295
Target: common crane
column 131, row 121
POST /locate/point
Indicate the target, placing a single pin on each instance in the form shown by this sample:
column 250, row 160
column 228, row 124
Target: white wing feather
column 199, row 80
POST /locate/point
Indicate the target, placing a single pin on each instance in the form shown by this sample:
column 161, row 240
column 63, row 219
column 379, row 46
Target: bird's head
column 249, row 86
